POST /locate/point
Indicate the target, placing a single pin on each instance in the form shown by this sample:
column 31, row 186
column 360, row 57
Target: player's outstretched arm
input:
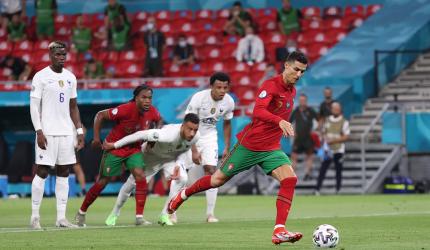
column 144, row 135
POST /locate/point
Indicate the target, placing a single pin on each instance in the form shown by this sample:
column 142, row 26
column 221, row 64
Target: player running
column 54, row 114
column 259, row 143
column 130, row 117
column 165, row 149
column 211, row 105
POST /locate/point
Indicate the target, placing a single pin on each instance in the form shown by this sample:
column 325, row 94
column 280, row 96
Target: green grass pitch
column 364, row 222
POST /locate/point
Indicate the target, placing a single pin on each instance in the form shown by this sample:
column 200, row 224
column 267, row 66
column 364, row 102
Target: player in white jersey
column 165, row 149
column 54, row 114
column 211, row 105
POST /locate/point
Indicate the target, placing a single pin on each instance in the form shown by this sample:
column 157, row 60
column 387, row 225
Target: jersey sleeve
column 265, row 96
column 74, row 88
column 156, row 117
column 166, row 134
column 229, row 114
column 36, row 87
column 194, row 105
column 118, row 113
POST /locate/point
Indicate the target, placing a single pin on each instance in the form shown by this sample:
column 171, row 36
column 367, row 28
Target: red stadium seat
column 312, row 24
column 183, row 27
column 157, row 83
column 132, row 55
column 128, row 69
column 5, row 73
column 208, row 39
column 5, row 48
column 62, row 32
column 315, row 51
column 163, row 15
column 41, row 45
column 77, row 69
column 97, row 20
column 140, row 16
column 240, row 67
column 42, row 56
column 183, row 15
column 335, row 36
column 230, row 40
column 274, row 38
column 166, row 28
column 138, row 27
column 311, row 12
column 312, row 37
column 222, row 14
column 209, row 26
column 356, row 22
column 174, row 70
column 355, row 11
column 210, row 66
column 204, row 14
column 3, row 34
column 372, row 9
column 245, row 94
column 139, row 43
column 62, row 19
column 336, row 23
column 194, row 70
column 170, row 40
column 267, row 24
column 332, row 12
column 240, row 79
column 268, row 12
column 25, row 55
column 23, row 46
column 228, row 51
column 211, row 52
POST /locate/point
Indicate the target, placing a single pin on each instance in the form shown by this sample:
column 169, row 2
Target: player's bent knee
column 218, row 179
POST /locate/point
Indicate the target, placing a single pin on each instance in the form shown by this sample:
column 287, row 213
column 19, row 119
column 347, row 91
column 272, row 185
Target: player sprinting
column 54, row 114
column 259, row 143
column 211, row 105
column 165, row 149
column 130, row 117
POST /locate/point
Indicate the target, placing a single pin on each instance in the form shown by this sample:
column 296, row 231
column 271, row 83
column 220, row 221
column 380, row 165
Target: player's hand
column 175, row 175
column 287, row 128
column 41, row 140
column 197, row 158
column 108, row 145
column 96, row 144
column 81, row 142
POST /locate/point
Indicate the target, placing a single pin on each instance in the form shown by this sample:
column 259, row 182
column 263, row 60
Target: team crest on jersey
column 213, row 110
column 61, row 83
column 114, row 111
column 230, row 166
column 288, row 105
column 69, row 82
column 221, row 110
column 262, row 94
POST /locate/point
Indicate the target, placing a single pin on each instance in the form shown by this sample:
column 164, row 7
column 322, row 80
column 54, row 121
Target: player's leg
column 309, row 162
column 238, row 160
column 77, row 168
column 136, row 166
column 338, row 163
column 44, row 160
column 278, row 165
column 110, row 165
column 209, row 154
column 295, row 153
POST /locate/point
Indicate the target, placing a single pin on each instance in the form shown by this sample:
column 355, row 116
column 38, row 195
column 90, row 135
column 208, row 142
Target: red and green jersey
column 128, row 120
column 274, row 103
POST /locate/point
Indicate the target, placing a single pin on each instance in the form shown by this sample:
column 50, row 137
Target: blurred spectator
column 45, row 13
column 110, row 72
column 303, row 117
column 20, row 70
column 238, row 20
column 250, row 48
column 335, row 132
column 269, row 72
column 183, row 52
column 81, row 36
column 9, row 8
column 94, row 70
column 155, row 43
column 325, row 106
column 16, row 29
column 288, row 18
column 114, row 10
column 119, row 33
column 283, row 52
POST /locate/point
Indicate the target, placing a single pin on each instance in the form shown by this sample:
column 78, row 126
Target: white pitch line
column 50, row 229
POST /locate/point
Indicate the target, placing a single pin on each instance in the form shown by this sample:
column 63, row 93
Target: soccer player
column 211, row 105
column 165, row 149
column 54, row 114
column 130, row 117
column 259, row 143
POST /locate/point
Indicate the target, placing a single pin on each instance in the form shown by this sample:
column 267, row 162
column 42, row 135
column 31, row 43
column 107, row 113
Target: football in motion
column 325, row 236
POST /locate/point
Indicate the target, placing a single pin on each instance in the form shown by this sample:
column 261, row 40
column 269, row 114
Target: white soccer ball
column 325, row 236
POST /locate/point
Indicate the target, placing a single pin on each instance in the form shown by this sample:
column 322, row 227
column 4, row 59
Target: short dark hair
column 237, row 3
column 297, row 56
column 139, row 89
column 220, row 76
column 191, row 117
column 57, row 45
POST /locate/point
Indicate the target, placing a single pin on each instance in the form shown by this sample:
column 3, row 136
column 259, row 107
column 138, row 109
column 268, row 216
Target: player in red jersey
column 130, row 117
column 259, row 143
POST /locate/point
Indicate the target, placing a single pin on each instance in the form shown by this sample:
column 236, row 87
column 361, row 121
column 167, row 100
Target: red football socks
column 141, row 191
column 284, row 199
column 91, row 196
column 200, row 185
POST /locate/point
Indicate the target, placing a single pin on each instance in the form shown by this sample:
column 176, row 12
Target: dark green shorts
column 241, row 159
column 111, row 165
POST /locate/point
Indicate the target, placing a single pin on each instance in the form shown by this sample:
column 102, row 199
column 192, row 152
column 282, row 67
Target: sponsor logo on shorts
column 230, row 166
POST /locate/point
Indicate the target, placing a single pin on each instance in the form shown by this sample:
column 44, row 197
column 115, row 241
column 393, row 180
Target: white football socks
column 123, row 194
column 62, row 195
column 211, row 195
column 37, row 190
